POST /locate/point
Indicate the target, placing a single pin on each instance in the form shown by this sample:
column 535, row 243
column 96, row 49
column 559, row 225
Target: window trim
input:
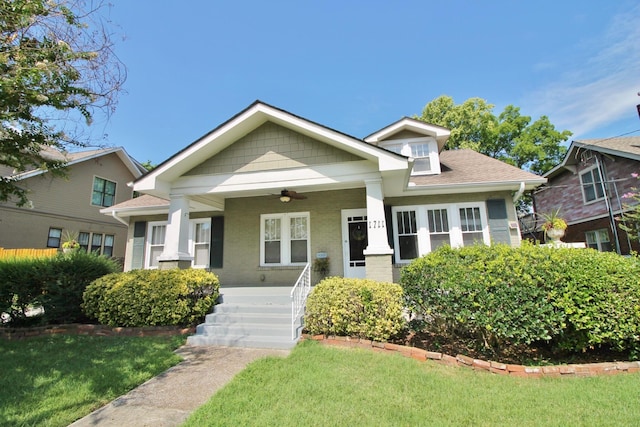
column 193, row 224
column 285, row 238
column 598, row 242
column 115, row 191
column 406, row 145
column 147, row 242
column 593, row 184
column 456, row 235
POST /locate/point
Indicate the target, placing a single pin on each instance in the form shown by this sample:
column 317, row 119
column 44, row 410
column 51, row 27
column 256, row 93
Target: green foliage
column 152, row 297
column 510, row 137
column 505, row 297
column 355, row 307
column 55, row 283
column 630, row 219
column 56, row 66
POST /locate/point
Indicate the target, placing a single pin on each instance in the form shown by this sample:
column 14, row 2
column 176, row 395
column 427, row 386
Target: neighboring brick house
column 267, row 192
column 95, row 179
column 588, row 187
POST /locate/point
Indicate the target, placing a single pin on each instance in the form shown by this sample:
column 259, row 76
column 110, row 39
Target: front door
column 354, row 241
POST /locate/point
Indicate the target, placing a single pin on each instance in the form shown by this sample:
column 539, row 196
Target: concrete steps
column 257, row 317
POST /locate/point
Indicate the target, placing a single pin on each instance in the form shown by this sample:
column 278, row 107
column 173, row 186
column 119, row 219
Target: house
column 95, row 179
column 588, row 188
column 267, row 192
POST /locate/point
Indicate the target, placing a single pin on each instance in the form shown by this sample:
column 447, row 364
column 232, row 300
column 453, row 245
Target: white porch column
column 378, row 254
column 176, row 242
column 377, row 225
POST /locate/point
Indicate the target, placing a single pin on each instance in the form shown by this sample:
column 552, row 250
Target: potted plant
column 69, row 241
column 554, row 226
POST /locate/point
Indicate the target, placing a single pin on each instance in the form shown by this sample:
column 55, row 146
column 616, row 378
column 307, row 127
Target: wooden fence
column 27, row 253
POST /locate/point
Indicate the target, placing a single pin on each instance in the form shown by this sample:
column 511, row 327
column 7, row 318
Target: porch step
column 258, row 317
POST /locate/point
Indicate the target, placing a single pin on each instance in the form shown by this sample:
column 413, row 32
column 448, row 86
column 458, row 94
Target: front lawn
column 323, row 386
column 55, row 380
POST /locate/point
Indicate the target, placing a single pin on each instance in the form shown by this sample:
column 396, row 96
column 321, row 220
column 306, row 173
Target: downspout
column 519, row 193
column 117, row 218
column 612, row 221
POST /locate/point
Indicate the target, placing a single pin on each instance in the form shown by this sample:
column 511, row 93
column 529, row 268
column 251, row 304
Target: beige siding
column 66, row 203
column 404, row 134
column 271, row 147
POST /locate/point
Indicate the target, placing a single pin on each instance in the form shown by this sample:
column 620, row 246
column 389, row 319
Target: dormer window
column 424, row 151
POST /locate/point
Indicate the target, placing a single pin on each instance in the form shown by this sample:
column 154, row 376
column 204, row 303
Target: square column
column 378, row 254
column 176, row 242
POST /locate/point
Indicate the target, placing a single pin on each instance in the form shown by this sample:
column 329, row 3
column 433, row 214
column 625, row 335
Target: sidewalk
column 168, row 399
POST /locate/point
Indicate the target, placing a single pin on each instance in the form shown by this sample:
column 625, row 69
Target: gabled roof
column 623, row 146
column 440, row 133
column 134, row 166
column 157, row 181
column 468, row 168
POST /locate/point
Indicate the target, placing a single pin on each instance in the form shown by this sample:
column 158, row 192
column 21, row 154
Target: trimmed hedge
column 355, row 307
column 152, row 297
column 56, row 284
column 504, row 297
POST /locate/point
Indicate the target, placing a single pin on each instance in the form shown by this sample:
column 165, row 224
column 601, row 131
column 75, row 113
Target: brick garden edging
column 96, row 330
column 584, row 369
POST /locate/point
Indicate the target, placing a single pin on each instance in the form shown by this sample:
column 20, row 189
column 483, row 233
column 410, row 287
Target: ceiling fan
column 287, row 195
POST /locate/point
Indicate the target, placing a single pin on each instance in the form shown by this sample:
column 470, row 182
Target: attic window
column 420, row 152
column 424, row 152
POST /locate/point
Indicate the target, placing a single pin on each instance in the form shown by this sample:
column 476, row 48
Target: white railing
column 299, row 295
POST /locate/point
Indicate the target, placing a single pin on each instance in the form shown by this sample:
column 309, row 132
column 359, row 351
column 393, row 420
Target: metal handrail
column 299, row 295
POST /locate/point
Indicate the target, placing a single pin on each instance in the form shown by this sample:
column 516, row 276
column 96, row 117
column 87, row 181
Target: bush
column 505, row 297
column 152, row 297
column 355, row 307
column 55, row 283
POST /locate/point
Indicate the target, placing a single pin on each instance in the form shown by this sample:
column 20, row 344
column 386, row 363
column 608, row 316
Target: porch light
column 285, row 199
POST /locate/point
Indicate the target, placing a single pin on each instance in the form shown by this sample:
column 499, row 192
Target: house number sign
column 376, row 224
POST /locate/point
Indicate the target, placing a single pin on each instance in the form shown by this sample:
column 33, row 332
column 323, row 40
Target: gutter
column 117, row 218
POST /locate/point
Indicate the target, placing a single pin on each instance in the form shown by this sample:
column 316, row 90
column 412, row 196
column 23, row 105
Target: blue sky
column 358, row 66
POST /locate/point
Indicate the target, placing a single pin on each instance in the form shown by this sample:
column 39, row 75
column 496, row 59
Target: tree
column 510, row 137
column 57, row 71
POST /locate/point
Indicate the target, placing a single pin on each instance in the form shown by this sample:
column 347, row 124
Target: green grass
column 54, row 380
column 323, row 386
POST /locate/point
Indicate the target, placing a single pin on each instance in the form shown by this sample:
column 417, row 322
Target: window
column 200, row 242
column 54, row 238
column 155, row 243
column 420, row 152
column 407, row 234
column 418, row 230
column 592, row 189
column 104, row 192
column 471, row 225
column 423, row 150
column 284, row 239
column 438, row 228
column 100, row 243
column 599, row 239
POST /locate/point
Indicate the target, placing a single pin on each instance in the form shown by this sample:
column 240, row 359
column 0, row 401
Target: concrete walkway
column 168, row 399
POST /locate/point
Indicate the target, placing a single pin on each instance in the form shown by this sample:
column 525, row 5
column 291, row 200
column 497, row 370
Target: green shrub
column 55, row 283
column 505, row 297
column 355, row 307
column 152, row 297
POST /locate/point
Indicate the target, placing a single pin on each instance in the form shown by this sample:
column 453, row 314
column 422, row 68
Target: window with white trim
column 438, row 228
column 599, row 239
column 591, row 181
column 155, row 242
column 200, row 242
column 424, row 151
column 284, row 239
column 104, row 192
column 418, row 230
column 471, row 225
column 407, row 227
